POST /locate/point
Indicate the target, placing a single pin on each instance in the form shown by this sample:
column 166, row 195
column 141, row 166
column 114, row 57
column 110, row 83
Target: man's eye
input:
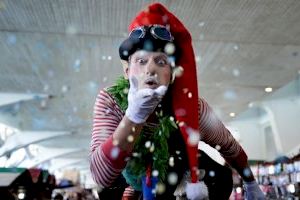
column 162, row 62
column 141, row 61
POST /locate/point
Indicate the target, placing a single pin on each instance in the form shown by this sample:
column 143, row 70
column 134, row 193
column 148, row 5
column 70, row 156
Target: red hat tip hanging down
column 184, row 89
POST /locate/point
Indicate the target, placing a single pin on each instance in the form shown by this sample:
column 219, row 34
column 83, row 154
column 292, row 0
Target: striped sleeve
column 106, row 160
column 214, row 133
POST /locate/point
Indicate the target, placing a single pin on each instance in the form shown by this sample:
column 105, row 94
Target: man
column 148, row 134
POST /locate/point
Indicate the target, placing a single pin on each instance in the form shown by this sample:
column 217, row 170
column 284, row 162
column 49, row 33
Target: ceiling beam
column 12, row 98
column 25, row 138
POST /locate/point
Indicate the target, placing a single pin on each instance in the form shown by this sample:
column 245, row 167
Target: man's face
column 149, row 69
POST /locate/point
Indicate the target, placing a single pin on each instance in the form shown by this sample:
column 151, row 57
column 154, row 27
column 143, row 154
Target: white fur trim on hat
column 193, row 191
column 196, row 191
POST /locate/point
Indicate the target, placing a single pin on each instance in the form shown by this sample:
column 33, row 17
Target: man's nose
column 151, row 68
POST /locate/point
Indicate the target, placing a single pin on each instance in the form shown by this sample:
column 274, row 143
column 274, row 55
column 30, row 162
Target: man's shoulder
column 105, row 90
column 201, row 100
column 104, row 94
column 105, row 97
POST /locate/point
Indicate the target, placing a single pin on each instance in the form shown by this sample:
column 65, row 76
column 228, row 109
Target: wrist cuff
column 133, row 118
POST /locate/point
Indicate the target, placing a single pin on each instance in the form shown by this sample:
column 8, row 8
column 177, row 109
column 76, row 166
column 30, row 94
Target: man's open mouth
column 151, row 81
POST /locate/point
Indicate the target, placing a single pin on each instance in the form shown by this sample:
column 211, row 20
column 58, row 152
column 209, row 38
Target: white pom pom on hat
column 196, row 191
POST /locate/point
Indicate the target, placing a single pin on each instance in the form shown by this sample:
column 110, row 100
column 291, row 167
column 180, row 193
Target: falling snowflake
column 172, row 178
column 194, row 137
column 75, row 109
column 211, row 173
column 181, row 124
column 115, row 142
column 11, row 39
column 198, row 58
column 236, row 72
column 148, row 144
column 135, row 154
column 92, row 86
column 65, row 88
column 130, row 138
column 238, row 190
column 125, row 91
column 46, row 87
column 104, row 79
column 169, row 48
column 43, row 103
column 171, row 161
column 171, row 60
column 230, row 95
column 159, row 133
column 218, row 147
column 115, row 152
column 155, row 173
column 201, row 24
column 153, row 191
column 247, row 172
column 178, row 71
column 133, row 129
column 125, row 53
column 76, row 65
column 160, row 188
column 152, row 148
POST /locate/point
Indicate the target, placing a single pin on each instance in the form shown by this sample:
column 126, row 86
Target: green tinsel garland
column 156, row 153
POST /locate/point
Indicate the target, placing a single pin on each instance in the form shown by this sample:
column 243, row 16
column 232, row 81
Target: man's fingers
column 147, row 92
column 133, row 83
column 161, row 90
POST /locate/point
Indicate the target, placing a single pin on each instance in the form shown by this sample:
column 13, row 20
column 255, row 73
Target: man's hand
column 141, row 103
column 252, row 191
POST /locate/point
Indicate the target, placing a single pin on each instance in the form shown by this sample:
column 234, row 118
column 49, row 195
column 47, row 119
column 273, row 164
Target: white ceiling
column 69, row 50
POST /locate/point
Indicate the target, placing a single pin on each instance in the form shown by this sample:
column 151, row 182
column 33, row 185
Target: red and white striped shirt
column 104, row 165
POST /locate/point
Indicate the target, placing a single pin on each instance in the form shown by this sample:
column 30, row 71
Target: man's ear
column 125, row 68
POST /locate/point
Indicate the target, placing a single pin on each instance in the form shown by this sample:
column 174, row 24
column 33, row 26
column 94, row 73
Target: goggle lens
column 137, row 33
column 157, row 31
column 161, row 33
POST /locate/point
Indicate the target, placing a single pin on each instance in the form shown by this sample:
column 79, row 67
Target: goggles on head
column 157, row 31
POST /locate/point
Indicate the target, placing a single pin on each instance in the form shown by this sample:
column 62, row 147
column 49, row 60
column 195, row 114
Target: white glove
column 252, row 191
column 141, row 103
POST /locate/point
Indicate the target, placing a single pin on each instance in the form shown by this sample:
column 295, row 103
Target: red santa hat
column 184, row 89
